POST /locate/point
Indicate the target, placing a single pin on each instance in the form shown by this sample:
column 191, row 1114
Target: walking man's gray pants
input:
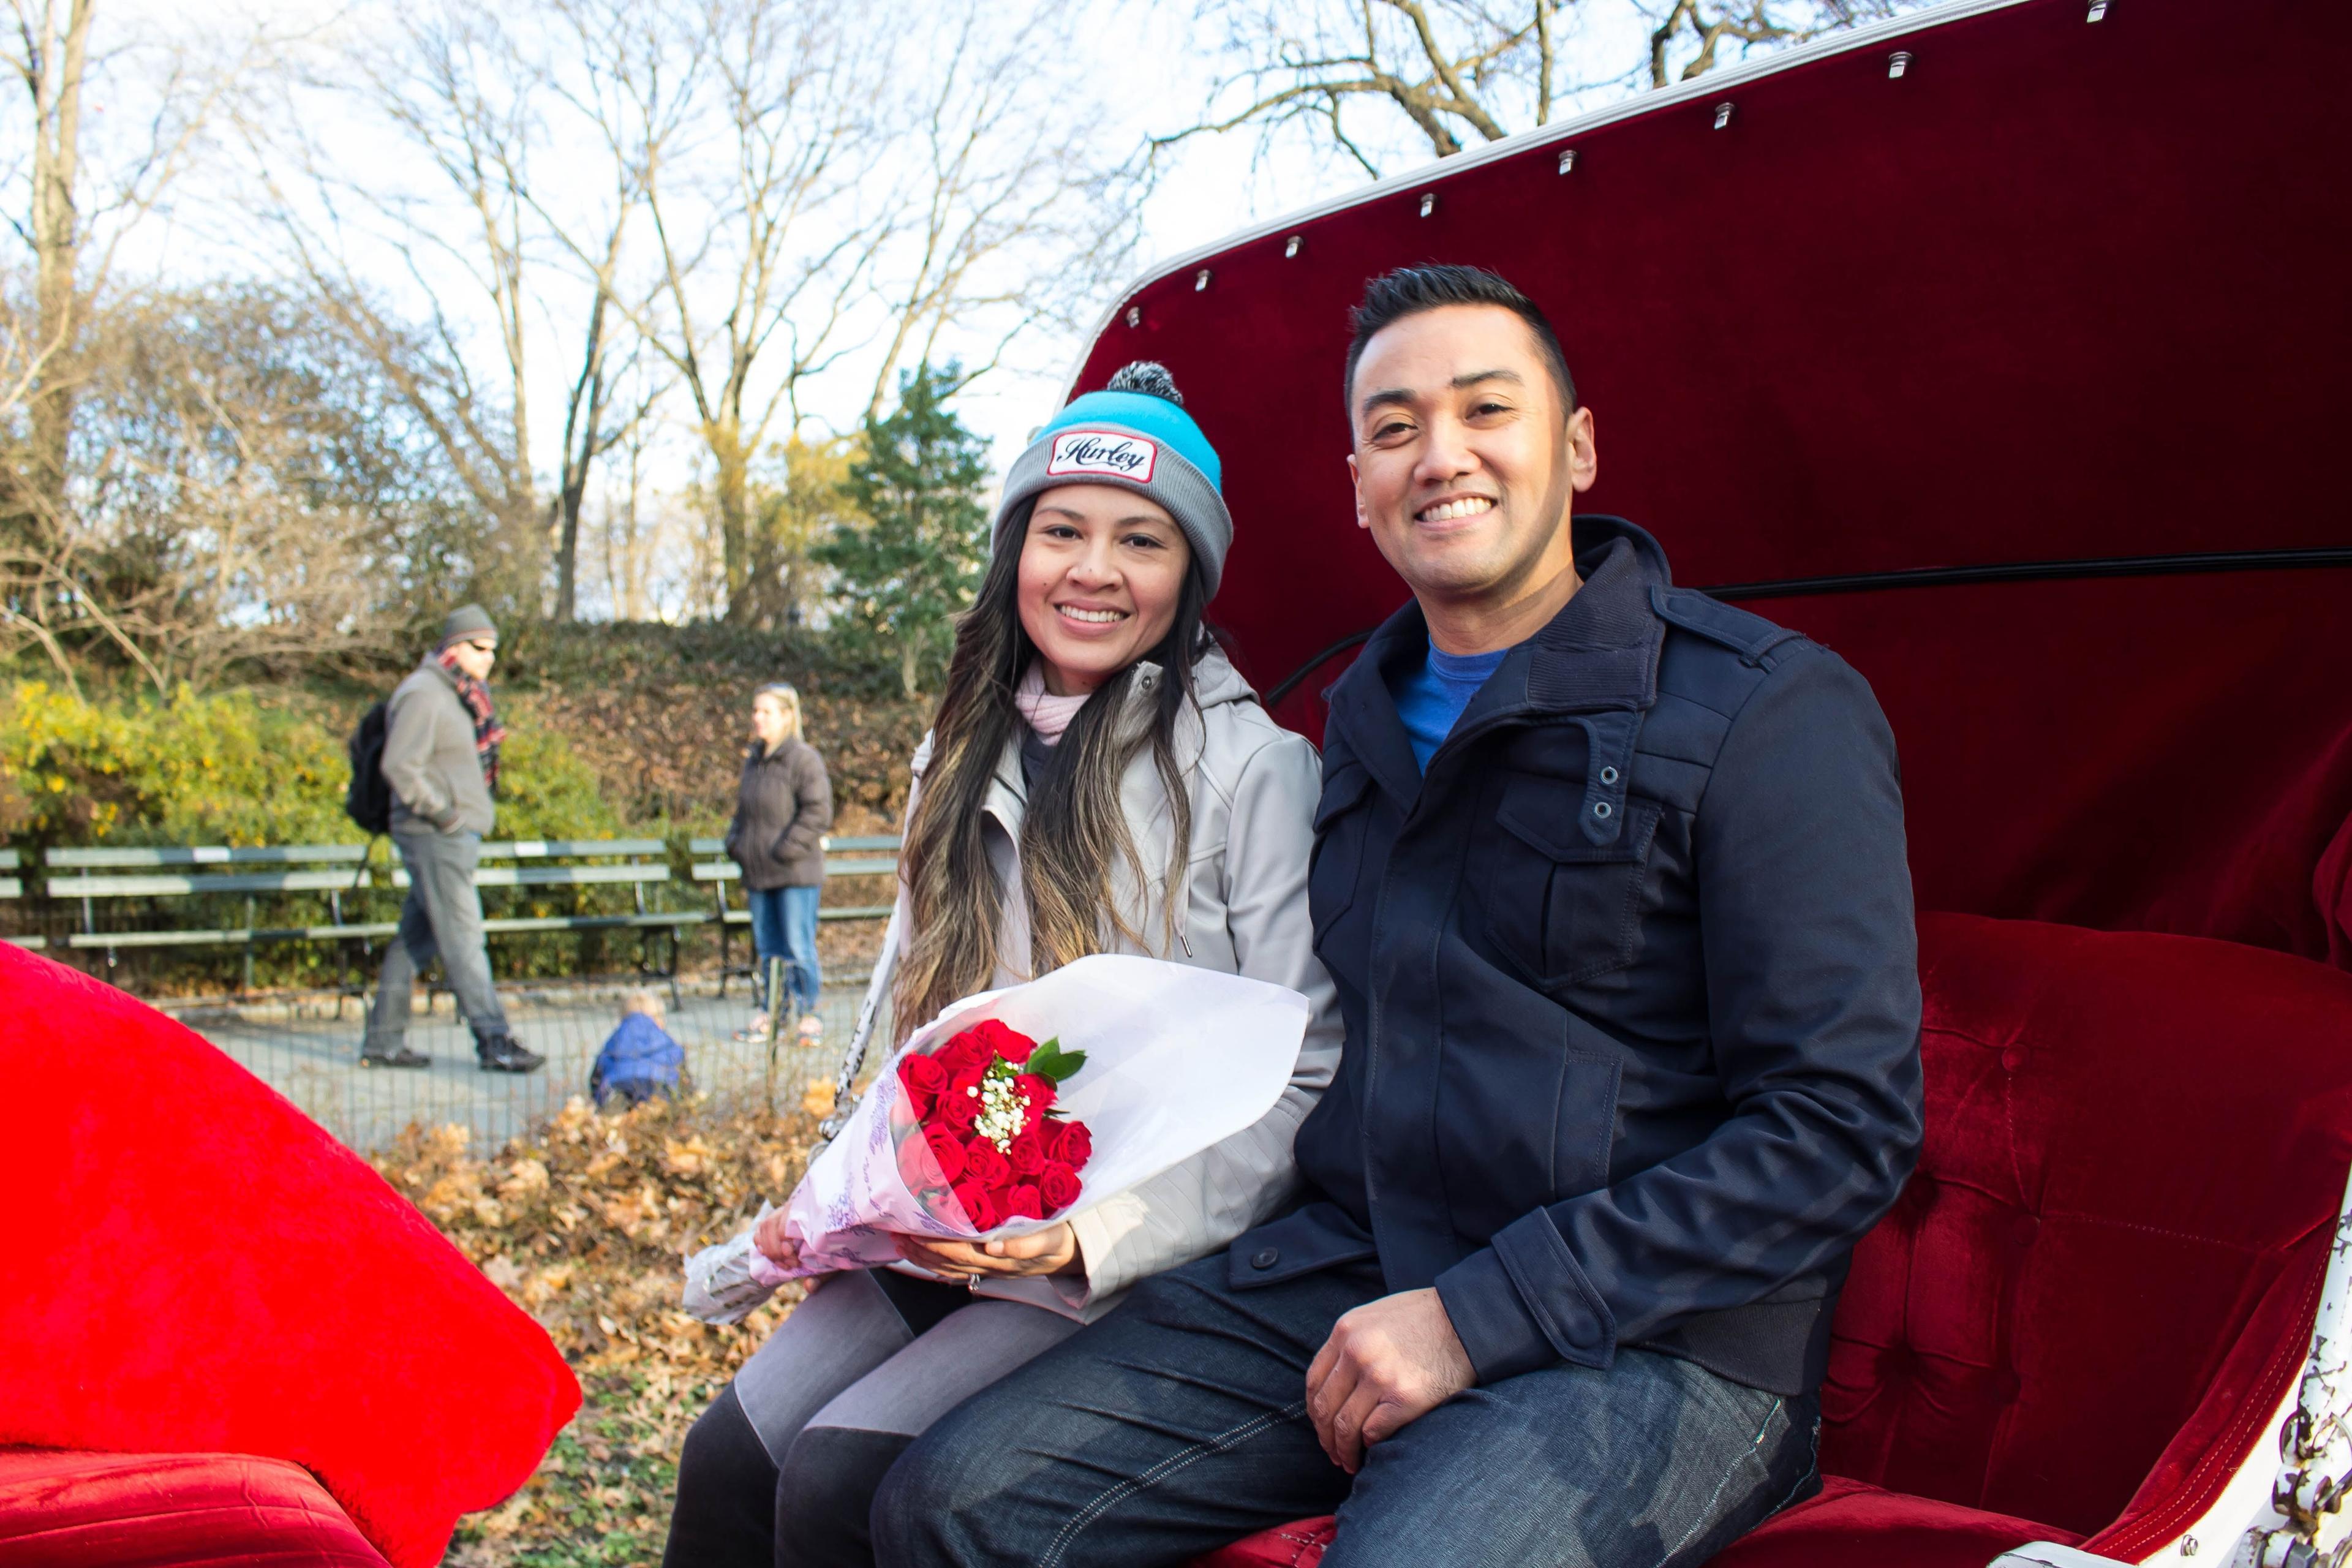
column 443, row 915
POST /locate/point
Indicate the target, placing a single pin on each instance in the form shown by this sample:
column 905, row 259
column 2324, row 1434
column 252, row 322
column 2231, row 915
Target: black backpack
column 368, row 802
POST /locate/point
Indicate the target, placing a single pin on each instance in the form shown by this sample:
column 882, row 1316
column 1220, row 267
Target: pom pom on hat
column 1147, row 376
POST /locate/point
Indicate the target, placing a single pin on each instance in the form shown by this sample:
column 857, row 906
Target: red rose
column 1027, row 1154
column 1075, row 1146
column 1058, row 1186
column 915, row 1166
column 923, row 1079
column 948, row 1150
column 1024, row 1203
column 983, row 1163
column 1009, row 1043
column 956, row 1110
column 978, row 1206
column 966, row 1052
column 1038, row 1091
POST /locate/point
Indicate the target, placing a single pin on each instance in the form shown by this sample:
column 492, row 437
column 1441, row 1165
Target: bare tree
column 769, row 250
column 1462, row 71
column 1018, row 216
column 79, row 202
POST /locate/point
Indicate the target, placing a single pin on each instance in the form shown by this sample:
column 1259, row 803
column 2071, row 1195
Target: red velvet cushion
column 2134, row 1142
column 1849, row 1525
column 193, row 1266
column 2101, row 1279
column 185, row 1510
column 1854, row 1525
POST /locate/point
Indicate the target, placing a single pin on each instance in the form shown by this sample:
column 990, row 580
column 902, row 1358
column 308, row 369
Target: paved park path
column 308, row 1051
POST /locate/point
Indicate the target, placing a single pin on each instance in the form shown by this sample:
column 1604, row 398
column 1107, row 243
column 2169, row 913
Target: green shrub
column 232, row 768
column 221, row 769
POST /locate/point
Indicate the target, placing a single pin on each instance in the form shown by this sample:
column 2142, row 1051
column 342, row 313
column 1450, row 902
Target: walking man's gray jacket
column 430, row 760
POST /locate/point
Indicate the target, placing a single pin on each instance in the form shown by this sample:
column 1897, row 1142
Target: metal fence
column 307, row 1049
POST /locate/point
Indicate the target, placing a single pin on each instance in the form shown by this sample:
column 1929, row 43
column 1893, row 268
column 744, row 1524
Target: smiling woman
column 1097, row 779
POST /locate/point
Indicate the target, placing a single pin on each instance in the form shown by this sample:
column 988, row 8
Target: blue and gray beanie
column 1136, row 435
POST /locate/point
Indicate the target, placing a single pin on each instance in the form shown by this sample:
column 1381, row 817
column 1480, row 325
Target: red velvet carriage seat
column 2078, row 1318
column 222, row 1337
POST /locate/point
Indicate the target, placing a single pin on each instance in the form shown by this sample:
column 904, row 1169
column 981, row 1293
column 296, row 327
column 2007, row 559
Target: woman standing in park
column 1098, row 778
column 782, row 807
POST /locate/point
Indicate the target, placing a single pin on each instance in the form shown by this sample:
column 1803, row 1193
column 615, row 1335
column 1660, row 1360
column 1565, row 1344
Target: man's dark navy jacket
column 1631, row 986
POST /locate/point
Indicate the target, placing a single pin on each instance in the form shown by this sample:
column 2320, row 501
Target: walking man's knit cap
column 1133, row 434
column 468, row 621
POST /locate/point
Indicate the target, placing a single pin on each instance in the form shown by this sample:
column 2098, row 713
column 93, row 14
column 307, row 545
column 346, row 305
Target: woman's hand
column 776, row 1244
column 1054, row 1251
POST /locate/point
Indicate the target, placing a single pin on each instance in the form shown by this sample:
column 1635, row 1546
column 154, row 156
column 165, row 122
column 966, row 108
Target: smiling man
column 1611, row 878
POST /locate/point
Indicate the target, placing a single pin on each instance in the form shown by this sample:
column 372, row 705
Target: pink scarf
column 1045, row 713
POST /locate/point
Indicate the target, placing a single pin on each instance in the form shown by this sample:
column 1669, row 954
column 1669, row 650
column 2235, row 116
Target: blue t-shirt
column 1429, row 699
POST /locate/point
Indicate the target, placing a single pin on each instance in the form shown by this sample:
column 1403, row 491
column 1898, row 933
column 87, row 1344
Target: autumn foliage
column 584, row 1222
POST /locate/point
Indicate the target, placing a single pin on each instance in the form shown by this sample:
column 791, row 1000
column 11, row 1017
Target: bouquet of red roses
column 973, row 1131
column 987, row 1144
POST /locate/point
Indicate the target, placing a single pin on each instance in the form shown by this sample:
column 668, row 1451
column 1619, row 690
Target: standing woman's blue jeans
column 783, row 925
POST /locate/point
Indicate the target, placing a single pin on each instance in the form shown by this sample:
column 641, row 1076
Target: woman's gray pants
column 784, row 1465
column 442, row 916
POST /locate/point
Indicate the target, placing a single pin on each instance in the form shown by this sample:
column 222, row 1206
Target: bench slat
column 7, row 859
column 728, row 872
column 557, row 876
column 12, row 887
column 569, row 849
column 167, row 886
column 229, row 934
column 887, row 841
column 595, row 922
column 208, row 855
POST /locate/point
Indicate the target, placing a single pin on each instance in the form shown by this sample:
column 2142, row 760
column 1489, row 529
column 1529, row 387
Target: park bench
column 870, row 857
column 12, row 887
column 619, row 862
column 250, row 874
column 336, row 870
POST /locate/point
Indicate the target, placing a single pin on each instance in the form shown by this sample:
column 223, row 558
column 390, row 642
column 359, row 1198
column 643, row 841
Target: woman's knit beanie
column 1136, row 435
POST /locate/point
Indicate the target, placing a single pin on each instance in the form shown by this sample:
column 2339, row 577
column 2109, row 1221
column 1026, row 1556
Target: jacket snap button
column 1266, row 1257
column 1609, row 776
column 1600, row 808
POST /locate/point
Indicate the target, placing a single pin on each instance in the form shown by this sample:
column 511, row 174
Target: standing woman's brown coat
column 782, row 810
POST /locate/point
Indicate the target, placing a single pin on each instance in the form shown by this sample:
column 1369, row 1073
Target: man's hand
column 1054, row 1251
column 1387, row 1363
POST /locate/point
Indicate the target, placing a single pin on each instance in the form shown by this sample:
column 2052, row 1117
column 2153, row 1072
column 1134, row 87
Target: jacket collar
column 1599, row 654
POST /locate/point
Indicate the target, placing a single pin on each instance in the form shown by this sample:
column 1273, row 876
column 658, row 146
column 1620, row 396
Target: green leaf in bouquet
column 1051, row 1062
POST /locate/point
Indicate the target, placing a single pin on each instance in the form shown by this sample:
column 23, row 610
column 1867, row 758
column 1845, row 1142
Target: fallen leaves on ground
column 586, row 1224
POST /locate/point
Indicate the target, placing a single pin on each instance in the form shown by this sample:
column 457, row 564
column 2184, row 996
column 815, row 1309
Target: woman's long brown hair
column 1074, row 832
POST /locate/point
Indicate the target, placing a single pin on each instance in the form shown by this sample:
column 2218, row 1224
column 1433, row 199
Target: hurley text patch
column 1105, row 452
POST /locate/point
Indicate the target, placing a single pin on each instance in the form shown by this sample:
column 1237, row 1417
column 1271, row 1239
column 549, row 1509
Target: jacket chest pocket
column 1563, row 908
column 1337, row 861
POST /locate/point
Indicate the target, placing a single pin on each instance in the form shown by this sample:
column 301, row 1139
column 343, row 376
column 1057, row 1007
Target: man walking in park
column 441, row 759
column 1611, row 878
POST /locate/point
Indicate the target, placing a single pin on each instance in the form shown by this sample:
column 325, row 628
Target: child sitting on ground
column 639, row 1060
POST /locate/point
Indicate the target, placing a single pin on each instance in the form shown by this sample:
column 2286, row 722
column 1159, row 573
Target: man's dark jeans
column 1178, row 1423
column 442, row 917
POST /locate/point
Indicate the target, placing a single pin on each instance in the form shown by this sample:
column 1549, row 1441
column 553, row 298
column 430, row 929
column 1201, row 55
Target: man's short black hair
column 1409, row 290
